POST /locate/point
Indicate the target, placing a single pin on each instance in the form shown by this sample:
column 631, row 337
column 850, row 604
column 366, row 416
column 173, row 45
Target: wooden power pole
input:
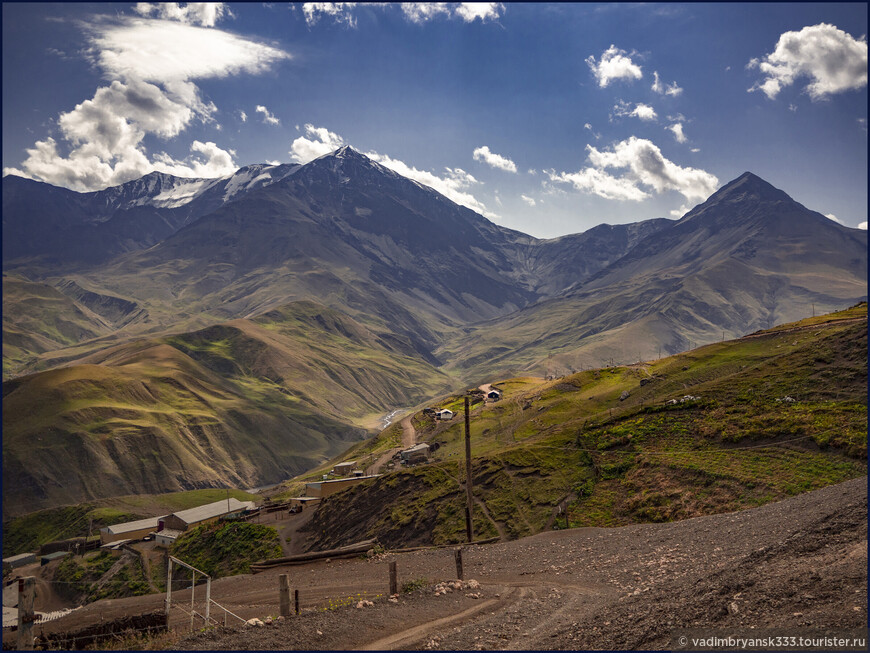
column 469, row 528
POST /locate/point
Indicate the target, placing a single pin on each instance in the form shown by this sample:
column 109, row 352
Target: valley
column 648, row 375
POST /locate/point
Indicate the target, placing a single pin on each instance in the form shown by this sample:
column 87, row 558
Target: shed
column 210, row 512
column 166, row 537
column 416, row 454
column 131, row 530
column 342, row 469
column 494, row 395
column 19, row 561
column 57, row 555
column 444, row 413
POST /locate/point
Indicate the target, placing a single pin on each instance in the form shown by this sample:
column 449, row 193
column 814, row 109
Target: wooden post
column 469, row 528
column 168, row 589
column 284, row 595
column 296, row 600
column 458, row 555
column 394, row 583
column 192, row 592
column 26, row 616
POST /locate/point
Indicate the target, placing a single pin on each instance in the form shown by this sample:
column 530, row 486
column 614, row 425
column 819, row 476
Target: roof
column 417, row 447
column 55, row 555
column 126, row 527
column 344, row 464
column 20, row 556
column 169, row 532
column 209, row 510
column 445, row 410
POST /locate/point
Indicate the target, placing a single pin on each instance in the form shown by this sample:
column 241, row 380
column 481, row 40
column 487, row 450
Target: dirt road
column 801, row 563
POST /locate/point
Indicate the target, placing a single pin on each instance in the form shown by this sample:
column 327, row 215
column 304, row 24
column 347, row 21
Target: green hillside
column 716, row 429
column 241, row 404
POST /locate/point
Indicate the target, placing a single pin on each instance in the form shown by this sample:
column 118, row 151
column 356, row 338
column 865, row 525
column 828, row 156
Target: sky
column 548, row 119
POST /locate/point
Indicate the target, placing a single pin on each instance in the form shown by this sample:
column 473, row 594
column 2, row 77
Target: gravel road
column 800, row 563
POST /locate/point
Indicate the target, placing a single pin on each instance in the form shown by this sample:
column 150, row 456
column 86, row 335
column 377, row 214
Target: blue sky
column 548, row 119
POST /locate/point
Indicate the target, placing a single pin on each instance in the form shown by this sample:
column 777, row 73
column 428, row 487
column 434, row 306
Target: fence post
column 192, row 592
column 207, row 599
column 296, row 600
column 394, row 584
column 26, row 616
column 284, row 595
column 458, row 555
column 168, row 589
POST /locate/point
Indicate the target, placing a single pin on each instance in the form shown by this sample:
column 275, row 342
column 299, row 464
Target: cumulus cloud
column 320, row 141
column 268, row 118
column 206, row 14
column 645, row 170
column 422, row 12
column 494, row 160
column 340, row 12
column 614, row 64
column 471, row 11
column 677, row 129
column 640, row 110
column 152, row 62
column 833, row 61
column 243, row 116
column 831, row 216
column 862, row 225
column 207, row 160
column 665, row 89
column 528, row 200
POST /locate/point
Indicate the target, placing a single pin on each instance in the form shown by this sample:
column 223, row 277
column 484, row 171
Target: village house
column 444, row 414
column 210, row 512
column 131, row 530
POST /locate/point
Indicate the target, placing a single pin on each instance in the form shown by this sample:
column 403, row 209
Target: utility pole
column 469, row 529
column 228, row 500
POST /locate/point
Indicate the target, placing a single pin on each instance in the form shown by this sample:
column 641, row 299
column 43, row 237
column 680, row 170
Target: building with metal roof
column 131, row 530
column 184, row 519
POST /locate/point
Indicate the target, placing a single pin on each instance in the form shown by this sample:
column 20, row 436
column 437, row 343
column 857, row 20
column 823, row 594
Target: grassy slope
column 572, row 443
column 37, row 318
column 240, row 404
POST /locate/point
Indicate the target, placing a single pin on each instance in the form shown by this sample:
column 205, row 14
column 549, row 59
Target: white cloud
column 321, row 141
column 212, row 162
column 614, row 64
column 641, row 111
column 671, row 89
column 152, row 63
column 862, row 225
column 528, row 200
column 422, row 12
column 532, row 171
column 471, row 11
column 677, row 129
column 163, row 50
column 644, row 166
column 243, row 116
column 695, row 149
column 833, row 60
column 206, row 14
column 341, row 12
column 492, row 159
column 831, row 216
column 268, row 118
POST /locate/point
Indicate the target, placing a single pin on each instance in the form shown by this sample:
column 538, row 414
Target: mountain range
column 280, row 310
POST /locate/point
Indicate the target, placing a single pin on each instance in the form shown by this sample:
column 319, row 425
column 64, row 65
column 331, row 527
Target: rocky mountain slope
column 747, row 258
